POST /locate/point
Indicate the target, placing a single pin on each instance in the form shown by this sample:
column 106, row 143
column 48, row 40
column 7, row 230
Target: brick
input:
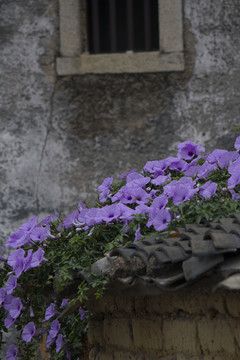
column 140, row 304
column 95, row 332
column 124, row 304
column 233, row 304
column 93, row 353
column 104, row 355
column 235, row 326
column 180, row 336
column 164, row 303
column 216, row 336
column 118, row 332
column 211, row 302
column 104, row 304
column 189, row 303
column 190, row 357
column 126, row 355
column 147, row 334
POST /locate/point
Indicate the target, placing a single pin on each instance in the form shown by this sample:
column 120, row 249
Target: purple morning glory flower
column 28, row 332
column 161, row 179
column 187, row 181
column 234, row 179
column 234, row 167
column 126, row 213
column 22, row 236
column 47, row 220
column 235, row 195
column 27, row 260
column 104, row 189
column 108, row 213
column 160, row 220
column 152, row 194
column 140, row 195
column 123, row 176
column 130, row 195
column 127, row 197
column 7, row 301
column 69, row 219
column 133, row 175
column 9, row 321
column 64, row 303
column 138, row 234
column 187, row 150
column 72, row 218
column 137, row 180
column 2, row 295
column 50, row 311
column 159, row 203
column 59, row 343
column 11, row 353
column 50, row 340
column 227, row 158
column 82, row 313
column 205, row 169
column 81, row 206
column 88, row 216
column 214, row 156
column 17, row 239
column 15, row 308
column 237, row 143
column 11, row 284
column 140, row 209
column 168, row 189
column 29, row 225
column 37, row 257
column 105, row 184
column 155, row 167
column 191, row 170
column 68, row 354
column 222, row 157
column 176, row 164
column 16, row 260
column 41, row 233
column 182, row 193
column 208, row 189
column 55, row 327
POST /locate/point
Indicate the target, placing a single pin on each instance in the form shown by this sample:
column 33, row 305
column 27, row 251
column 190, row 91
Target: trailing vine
column 43, row 292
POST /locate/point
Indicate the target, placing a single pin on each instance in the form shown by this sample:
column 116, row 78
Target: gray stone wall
column 61, row 136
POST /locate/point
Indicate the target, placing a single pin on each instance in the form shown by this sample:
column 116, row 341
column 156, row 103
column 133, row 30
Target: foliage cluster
column 42, row 291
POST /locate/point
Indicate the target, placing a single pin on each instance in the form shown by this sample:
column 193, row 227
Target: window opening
column 116, row 26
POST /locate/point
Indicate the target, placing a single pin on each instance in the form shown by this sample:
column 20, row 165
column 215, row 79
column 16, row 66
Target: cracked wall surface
column 61, row 136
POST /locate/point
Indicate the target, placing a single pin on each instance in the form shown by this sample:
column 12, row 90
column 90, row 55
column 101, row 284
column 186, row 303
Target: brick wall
column 173, row 326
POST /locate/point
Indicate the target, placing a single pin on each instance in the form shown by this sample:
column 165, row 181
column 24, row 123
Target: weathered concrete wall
column 182, row 326
column 61, row 136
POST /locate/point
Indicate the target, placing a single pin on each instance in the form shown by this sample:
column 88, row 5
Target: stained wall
column 61, row 136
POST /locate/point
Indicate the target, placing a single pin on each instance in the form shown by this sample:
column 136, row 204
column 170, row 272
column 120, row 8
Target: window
column 116, row 26
column 117, row 36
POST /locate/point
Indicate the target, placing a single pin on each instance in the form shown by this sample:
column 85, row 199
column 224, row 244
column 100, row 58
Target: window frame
column 73, row 61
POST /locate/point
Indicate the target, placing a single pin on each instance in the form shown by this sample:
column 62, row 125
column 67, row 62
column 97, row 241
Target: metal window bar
column 147, row 25
column 95, row 26
column 130, row 30
column 113, row 26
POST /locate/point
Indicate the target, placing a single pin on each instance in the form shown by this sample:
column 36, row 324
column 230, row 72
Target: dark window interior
column 116, row 26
